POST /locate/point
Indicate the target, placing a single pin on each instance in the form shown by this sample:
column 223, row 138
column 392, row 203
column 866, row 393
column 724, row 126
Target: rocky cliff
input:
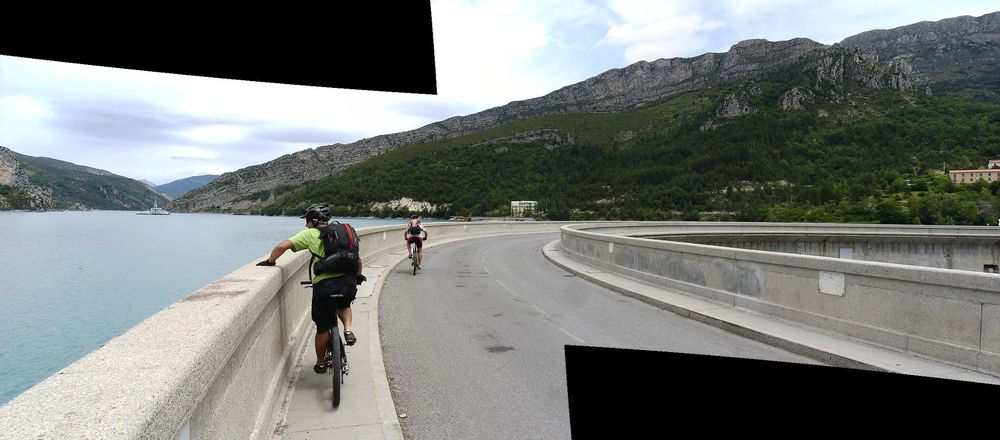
column 900, row 58
column 956, row 56
column 19, row 192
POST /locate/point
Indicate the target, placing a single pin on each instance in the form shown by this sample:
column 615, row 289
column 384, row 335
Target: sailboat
column 155, row 210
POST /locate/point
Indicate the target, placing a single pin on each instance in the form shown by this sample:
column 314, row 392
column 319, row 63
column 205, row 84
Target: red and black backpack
column 341, row 249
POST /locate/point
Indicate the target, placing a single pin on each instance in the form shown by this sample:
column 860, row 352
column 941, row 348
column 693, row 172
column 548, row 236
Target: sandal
column 349, row 338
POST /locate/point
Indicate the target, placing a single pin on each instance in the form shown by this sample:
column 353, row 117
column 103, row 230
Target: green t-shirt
column 308, row 239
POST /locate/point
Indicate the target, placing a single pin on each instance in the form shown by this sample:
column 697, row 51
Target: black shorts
column 324, row 308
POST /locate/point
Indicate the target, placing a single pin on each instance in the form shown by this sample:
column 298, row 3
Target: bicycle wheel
column 337, row 365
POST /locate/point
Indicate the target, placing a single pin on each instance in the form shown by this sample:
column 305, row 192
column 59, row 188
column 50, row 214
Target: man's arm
column 360, row 277
column 278, row 250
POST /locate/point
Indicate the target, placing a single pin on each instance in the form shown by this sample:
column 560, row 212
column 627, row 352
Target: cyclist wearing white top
column 412, row 235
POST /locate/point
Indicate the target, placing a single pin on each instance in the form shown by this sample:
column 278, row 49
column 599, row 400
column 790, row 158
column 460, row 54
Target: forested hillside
column 42, row 183
column 861, row 131
column 865, row 155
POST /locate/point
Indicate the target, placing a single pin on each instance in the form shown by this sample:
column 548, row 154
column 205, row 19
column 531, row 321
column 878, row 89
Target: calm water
column 71, row 281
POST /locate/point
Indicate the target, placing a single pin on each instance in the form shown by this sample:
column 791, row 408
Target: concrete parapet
column 943, row 314
column 213, row 365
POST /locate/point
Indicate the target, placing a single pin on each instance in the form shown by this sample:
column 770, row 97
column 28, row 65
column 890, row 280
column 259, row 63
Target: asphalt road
column 474, row 343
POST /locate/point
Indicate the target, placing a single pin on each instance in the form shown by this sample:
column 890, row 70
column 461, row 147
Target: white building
column 990, row 174
column 523, row 208
column 970, row 176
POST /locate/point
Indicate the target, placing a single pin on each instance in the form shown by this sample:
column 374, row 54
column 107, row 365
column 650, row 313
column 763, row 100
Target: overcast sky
column 163, row 127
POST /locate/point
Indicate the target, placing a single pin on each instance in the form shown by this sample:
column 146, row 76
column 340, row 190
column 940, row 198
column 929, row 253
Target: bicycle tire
column 337, row 365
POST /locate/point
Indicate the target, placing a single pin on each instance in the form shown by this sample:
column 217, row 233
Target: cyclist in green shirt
column 325, row 310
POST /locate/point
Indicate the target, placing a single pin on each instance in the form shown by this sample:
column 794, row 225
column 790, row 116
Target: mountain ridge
column 180, row 187
column 618, row 89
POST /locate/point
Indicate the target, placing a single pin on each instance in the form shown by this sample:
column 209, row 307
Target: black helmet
column 317, row 211
column 414, row 216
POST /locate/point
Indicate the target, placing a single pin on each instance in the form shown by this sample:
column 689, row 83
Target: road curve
column 473, row 344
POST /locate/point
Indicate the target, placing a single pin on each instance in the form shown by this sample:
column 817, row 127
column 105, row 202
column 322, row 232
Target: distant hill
column 180, row 187
column 42, row 183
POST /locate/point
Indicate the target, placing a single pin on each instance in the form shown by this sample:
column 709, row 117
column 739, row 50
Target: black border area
column 368, row 46
column 641, row 394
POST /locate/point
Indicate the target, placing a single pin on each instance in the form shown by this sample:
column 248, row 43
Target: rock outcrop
column 796, row 99
column 13, row 175
column 936, row 53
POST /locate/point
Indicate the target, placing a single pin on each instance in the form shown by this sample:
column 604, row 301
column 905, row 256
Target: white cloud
column 188, row 153
column 25, row 106
column 481, row 48
column 652, row 29
column 216, row 133
column 23, row 117
column 492, row 52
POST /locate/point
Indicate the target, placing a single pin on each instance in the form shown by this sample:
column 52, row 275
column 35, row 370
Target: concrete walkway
column 367, row 410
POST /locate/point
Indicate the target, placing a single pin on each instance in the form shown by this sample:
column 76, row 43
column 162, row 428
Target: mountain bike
column 336, row 360
column 415, row 260
column 418, row 254
column 335, row 356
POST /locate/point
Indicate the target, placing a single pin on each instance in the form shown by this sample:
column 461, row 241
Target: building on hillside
column 971, row 176
column 523, row 208
column 990, row 174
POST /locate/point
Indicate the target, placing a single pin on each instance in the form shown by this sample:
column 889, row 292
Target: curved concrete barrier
column 211, row 365
column 944, row 314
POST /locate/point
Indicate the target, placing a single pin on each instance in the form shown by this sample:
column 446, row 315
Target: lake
column 71, row 281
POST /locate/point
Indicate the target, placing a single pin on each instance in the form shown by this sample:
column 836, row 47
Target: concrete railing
column 946, row 247
column 948, row 315
column 209, row 366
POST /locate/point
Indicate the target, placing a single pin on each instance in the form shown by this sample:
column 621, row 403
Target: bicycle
column 415, row 261
column 418, row 254
column 335, row 356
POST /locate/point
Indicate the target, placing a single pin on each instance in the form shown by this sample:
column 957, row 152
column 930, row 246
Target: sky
column 162, row 127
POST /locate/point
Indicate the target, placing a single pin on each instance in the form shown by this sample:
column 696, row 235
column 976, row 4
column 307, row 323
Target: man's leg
column 324, row 316
column 322, row 338
column 345, row 317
